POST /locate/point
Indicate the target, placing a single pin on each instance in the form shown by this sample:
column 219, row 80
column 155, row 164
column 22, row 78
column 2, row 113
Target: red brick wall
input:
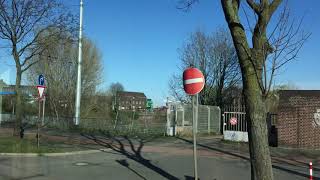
column 295, row 123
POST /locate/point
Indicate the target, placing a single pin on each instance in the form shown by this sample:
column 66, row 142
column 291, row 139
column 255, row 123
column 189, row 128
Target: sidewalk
column 295, row 161
column 297, row 156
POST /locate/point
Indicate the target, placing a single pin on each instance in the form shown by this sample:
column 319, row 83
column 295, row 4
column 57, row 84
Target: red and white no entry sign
column 193, row 81
column 233, row 121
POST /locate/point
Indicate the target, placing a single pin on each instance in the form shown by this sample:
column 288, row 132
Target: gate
column 237, row 131
column 272, row 129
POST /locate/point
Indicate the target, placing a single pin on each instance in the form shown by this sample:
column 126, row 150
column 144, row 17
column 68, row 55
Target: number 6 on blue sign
column 41, row 80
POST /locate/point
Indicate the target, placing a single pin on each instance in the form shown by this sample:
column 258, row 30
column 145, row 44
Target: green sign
column 149, row 104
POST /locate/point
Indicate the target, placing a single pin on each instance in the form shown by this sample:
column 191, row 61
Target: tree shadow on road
column 124, row 163
column 130, row 148
column 248, row 159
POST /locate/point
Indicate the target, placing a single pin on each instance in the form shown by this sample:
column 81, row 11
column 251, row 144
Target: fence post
column 168, row 119
column 182, row 117
column 223, row 123
column 208, row 119
column 175, row 120
column 176, row 114
column 310, row 171
column 219, row 117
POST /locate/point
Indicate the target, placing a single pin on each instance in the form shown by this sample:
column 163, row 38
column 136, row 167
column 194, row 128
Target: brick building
column 298, row 119
column 131, row 100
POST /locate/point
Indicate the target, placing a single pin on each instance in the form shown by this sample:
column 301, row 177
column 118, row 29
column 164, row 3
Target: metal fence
column 180, row 118
column 235, row 126
column 241, row 124
column 144, row 124
column 151, row 123
column 6, row 117
column 234, row 112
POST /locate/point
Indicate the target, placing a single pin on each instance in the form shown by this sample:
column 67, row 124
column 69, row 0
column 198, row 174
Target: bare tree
column 277, row 47
column 215, row 56
column 112, row 92
column 225, row 65
column 22, row 23
column 58, row 64
column 270, row 49
column 114, row 88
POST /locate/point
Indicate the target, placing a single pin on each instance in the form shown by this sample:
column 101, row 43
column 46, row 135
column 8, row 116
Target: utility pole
column 78, row 93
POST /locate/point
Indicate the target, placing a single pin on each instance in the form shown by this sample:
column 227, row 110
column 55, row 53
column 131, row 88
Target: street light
column 78, row 93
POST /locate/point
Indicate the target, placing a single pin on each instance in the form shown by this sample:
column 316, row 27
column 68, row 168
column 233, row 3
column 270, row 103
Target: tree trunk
column 261, row 166
column 19, row 111
column 116, row 121
column 219, row 96
column 18, row 92
column 250, row 62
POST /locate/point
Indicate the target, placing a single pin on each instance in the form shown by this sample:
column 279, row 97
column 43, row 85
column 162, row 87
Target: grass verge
column 17, row 145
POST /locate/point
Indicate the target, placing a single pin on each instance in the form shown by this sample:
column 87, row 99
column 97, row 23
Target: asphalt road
column 139, row 161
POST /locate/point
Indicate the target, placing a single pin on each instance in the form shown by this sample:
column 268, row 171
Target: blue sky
column 139, row 41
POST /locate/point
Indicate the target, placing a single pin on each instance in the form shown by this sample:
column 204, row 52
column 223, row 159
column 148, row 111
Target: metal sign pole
column 39, row 116
column 194, row 123
column 193, row 83
column 43, row 110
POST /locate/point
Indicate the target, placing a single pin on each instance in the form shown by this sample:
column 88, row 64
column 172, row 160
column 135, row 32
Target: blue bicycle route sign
column 41, row 80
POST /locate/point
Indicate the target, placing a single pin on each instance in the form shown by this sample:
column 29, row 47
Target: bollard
column 310, row 170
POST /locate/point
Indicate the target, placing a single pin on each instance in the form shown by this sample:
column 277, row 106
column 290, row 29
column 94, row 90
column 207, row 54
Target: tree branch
column 274, row 5
column 254, row 6
column 29, row 65
column 186, row 5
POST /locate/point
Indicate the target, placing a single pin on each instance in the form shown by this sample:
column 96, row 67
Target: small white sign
column 41, row 91
column 316, row 122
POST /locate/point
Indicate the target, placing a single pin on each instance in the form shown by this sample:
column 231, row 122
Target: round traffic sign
column 233, row 121
column 193, row 81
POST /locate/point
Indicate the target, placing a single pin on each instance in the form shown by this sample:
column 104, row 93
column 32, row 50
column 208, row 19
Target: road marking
column 82, row 164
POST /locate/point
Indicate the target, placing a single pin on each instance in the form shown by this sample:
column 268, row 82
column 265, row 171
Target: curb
column 53, row 154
